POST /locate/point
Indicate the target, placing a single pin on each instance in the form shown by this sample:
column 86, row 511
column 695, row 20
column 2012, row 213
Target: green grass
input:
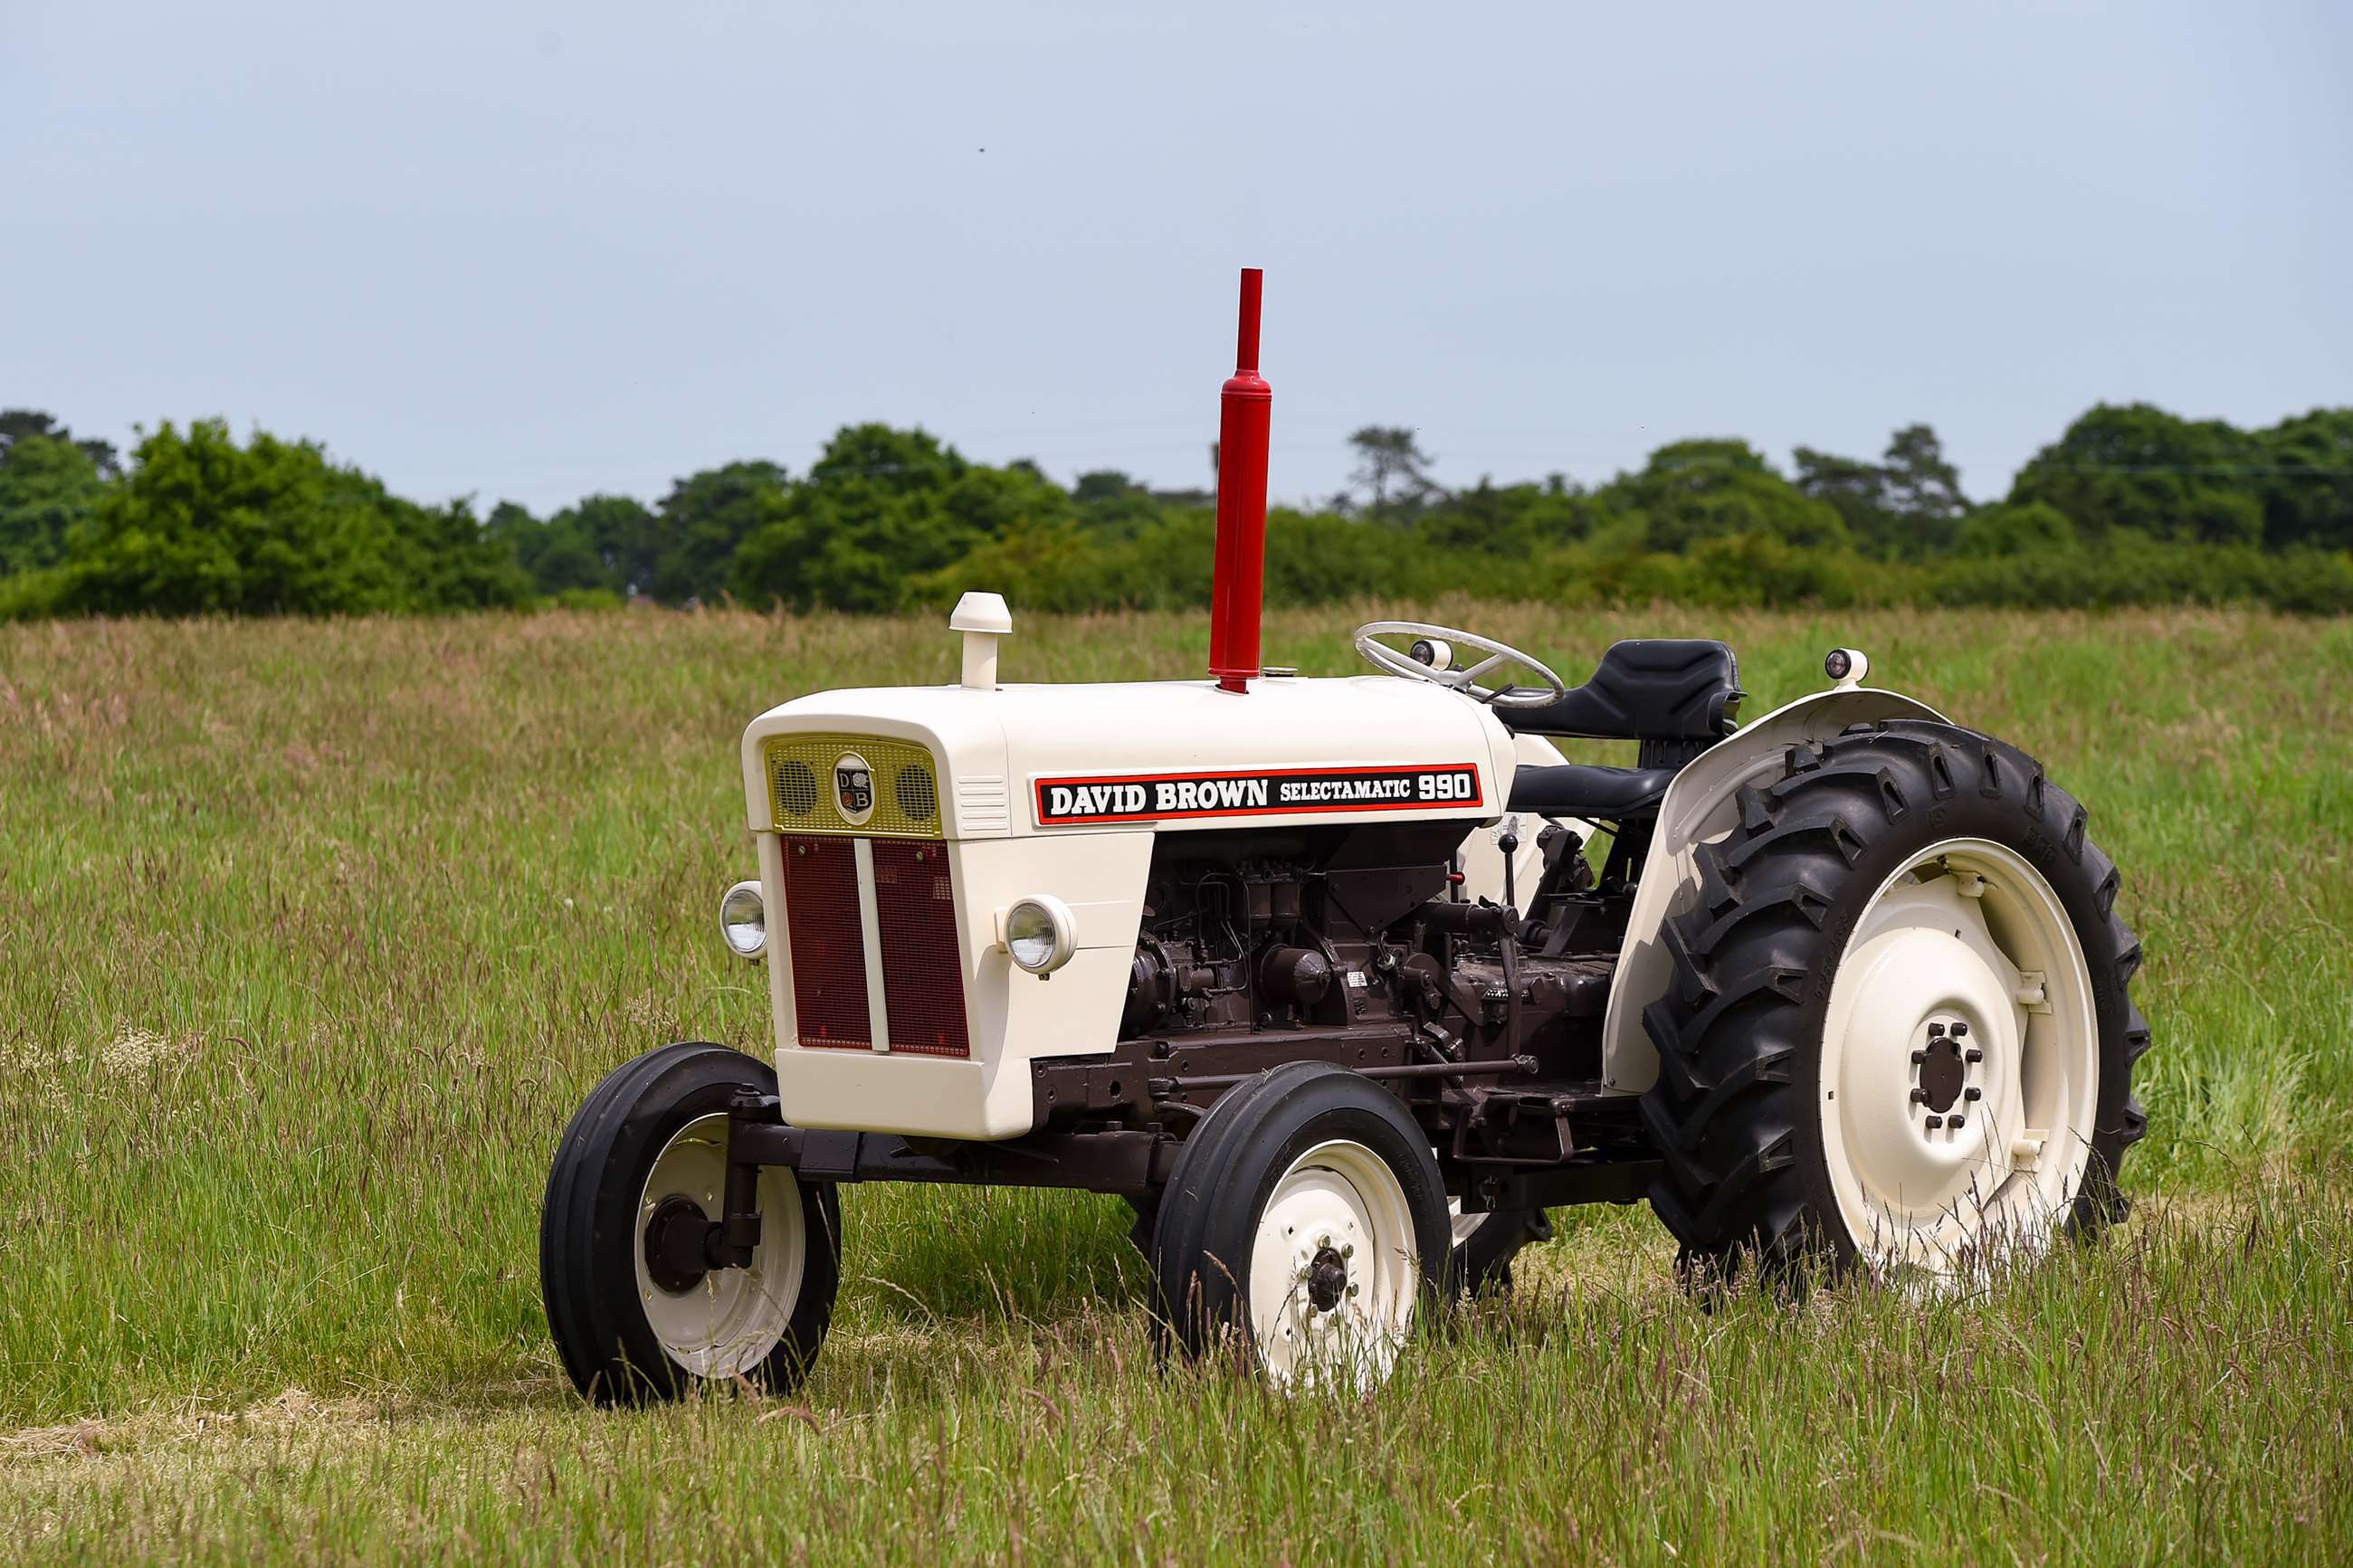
column 312, row 936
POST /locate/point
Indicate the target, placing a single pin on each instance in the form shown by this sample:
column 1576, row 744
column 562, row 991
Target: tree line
column 2130, row 505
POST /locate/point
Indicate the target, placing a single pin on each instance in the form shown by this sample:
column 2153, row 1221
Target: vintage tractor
column 1342, row 983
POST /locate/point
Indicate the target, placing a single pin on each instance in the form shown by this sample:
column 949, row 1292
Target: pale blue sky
column 533, row 251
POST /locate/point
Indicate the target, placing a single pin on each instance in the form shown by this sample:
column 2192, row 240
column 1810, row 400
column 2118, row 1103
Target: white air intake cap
column 982, row 618
column 981, row 613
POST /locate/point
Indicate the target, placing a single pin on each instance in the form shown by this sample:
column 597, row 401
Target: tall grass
column 311, row 936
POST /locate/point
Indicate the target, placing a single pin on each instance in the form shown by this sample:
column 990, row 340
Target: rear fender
column 1700, row 806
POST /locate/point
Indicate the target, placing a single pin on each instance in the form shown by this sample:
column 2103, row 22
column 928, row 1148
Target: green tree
column 881, row 508
column 1692, row 490
column 1109, row 501
column 1905, row 506
column 2138, row 468
column 201, row 524
column 2307, row 480
column 1393, row 471
column 21, row 424
column 49, row 485
column 703, row 522
column 2032, row 528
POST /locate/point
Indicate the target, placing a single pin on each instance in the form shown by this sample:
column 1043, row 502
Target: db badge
column 853, row 789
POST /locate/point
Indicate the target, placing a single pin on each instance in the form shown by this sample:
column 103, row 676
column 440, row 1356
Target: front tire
column 1305, row 1229
column 1898, row 1036
column 639, row 1174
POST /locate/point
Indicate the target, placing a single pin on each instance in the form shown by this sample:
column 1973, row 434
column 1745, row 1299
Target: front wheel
column 1898, row 1037
column 1303, row 1229
column 636, row 1309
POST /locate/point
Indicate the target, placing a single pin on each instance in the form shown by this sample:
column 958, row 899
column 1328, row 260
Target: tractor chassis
column 1133, row 1163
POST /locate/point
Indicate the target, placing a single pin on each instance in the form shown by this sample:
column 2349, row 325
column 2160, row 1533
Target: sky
column 530, row 252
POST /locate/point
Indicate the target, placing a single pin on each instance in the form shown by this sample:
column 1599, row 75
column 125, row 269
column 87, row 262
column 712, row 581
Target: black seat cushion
column 1645, row 688
column 1580, row 789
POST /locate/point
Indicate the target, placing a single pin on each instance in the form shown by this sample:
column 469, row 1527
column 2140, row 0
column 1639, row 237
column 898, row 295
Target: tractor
column 1343, row 982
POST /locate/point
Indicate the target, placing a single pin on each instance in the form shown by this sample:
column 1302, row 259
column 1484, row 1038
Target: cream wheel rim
column 1334, row 1272
column 1960, row 1064
column 730, row 1319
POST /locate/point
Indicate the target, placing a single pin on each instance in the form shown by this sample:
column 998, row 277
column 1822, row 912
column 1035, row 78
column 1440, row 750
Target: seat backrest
column 1645, row 688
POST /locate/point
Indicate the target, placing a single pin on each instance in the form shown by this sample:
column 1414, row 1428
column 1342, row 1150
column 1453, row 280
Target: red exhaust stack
column 1245, row 408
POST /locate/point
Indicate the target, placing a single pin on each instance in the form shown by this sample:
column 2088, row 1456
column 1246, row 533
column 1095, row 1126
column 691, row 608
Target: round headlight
column 1040, row 934
column 744, row 920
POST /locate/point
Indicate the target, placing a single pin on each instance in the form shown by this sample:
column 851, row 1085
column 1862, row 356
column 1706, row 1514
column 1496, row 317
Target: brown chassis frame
column 1135, row 1162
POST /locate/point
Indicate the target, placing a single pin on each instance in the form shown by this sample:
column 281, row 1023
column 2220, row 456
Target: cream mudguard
column 1701, row 806
column 1061, row 790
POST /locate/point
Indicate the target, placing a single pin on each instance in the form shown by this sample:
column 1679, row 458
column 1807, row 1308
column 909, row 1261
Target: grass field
column 312, row 935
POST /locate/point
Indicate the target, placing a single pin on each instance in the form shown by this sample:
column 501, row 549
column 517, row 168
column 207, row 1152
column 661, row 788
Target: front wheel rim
column 730, row 1320
column 1960, row 1063
column 1334, row 1272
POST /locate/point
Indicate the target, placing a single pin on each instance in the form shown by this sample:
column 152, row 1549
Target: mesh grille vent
column 801, row 785
column 919, row 795
column 922, row 970
column 829, row 940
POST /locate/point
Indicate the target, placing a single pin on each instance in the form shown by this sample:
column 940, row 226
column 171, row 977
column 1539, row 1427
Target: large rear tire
column 639, row 1175
column 1899, row 1036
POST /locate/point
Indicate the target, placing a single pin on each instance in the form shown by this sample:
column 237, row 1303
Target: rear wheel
column 640, row 1182
column 1305, row 1229
column 1899, row 1037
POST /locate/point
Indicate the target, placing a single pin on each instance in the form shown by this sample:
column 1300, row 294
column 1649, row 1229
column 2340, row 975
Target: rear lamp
column 744, row 920
column 1040, row 934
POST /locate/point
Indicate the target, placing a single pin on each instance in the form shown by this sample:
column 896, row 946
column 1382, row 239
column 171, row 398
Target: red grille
column 829, row 942
column 922, row 969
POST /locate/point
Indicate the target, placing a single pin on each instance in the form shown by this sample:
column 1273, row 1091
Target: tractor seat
column 1593, row 793
column 1677, row 696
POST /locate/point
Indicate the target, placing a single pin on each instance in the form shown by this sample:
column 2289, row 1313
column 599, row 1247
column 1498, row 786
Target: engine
column 1357, row 945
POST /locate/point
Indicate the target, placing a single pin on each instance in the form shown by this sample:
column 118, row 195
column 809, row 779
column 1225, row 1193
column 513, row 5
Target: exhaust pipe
column 1246, row 405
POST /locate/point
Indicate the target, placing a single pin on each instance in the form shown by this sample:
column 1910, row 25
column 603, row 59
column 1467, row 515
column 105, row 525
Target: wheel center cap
column 675, row 1240
column 1942, row 1072
column 1328, row 1278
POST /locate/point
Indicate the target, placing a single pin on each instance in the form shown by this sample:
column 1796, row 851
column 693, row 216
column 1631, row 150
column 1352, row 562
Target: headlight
column 744, row 920
column 1040, row 934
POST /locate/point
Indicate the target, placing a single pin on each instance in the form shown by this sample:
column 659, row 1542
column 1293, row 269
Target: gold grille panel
column 904, row 788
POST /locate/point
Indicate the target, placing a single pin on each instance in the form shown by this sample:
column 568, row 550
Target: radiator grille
column 901, row 787
column 828, row 942
column 922, row 970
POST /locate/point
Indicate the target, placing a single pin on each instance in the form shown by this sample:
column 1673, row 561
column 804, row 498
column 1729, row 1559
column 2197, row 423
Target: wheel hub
column 1948, row 1065
column 1327, row 1280
column 676, row 1238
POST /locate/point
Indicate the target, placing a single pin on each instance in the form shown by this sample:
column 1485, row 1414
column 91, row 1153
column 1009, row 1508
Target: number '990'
column 1446, row 786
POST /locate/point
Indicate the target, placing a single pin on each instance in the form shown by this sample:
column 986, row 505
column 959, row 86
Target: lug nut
column 1973, row 1092
column 1958, row 1119
column 1919, row 1096
column 1973, row 1054
column 1960, row 1031
column 1919, row 1056
column 1935, row 1122
column 1935, row 1031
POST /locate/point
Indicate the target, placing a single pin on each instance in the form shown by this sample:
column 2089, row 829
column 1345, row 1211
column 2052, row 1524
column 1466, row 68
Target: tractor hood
column 1016, row 761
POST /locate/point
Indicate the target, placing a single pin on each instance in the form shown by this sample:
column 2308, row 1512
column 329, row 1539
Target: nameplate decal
column 1064, row 800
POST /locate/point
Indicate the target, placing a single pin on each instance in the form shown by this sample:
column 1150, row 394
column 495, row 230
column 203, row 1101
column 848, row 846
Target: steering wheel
column 1432, row 658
